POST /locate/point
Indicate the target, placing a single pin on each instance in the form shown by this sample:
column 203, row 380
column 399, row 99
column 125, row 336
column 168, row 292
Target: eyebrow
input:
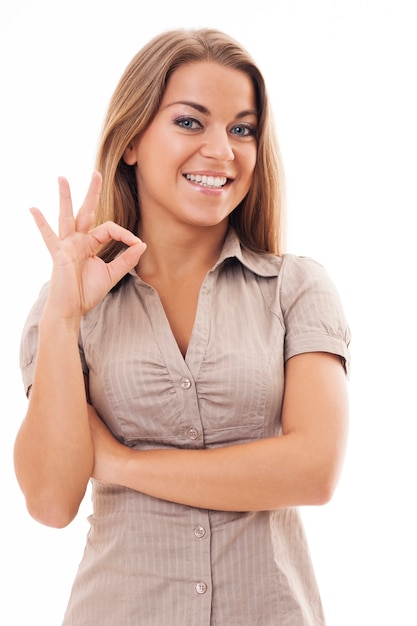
column 202, row 109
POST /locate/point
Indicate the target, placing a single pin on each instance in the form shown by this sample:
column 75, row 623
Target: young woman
column 182, row 362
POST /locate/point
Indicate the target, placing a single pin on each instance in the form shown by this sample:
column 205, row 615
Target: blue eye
column 243, row 130
column 188, row 123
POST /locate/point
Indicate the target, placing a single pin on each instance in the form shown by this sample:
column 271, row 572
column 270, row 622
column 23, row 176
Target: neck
column 186, row 252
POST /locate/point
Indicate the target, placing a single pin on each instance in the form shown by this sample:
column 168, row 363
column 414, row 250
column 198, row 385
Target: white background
column 342, row 78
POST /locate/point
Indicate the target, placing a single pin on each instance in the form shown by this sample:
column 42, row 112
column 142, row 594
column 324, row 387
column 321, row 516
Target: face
column 195, row 161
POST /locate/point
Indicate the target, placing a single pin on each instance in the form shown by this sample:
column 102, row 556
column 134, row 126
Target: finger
column 110, row 230
column 66, row 215
column 129, row 258
column 48, row 235
column 85, row 216
column 125, row 262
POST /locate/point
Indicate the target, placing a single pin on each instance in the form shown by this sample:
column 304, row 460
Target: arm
column 300, row 467
column 53, row 450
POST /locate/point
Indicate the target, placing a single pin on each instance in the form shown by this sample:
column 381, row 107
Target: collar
column 262, row 264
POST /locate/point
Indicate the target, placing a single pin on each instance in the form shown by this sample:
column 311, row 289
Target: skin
column 205, row 126
column 54, row 450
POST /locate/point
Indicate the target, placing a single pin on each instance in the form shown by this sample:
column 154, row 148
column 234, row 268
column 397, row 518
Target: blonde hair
column 259, row 218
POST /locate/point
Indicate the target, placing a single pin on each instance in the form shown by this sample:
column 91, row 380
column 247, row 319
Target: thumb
column 126, row 261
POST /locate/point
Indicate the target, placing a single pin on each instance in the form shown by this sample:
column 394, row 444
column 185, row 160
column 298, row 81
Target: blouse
column 151, row 562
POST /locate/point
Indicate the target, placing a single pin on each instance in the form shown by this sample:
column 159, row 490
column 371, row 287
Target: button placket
column 185, row 384
column 200, row 564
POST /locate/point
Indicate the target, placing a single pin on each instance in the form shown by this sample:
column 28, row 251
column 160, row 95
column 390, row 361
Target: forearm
column 262, row 475
column 300, row 467
column 53, row 450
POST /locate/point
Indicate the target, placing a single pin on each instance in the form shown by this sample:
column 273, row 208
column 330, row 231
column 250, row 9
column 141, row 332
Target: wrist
column 123, row 464
column 52, row 322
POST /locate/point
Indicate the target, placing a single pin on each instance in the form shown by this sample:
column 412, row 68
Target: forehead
column 208, row 82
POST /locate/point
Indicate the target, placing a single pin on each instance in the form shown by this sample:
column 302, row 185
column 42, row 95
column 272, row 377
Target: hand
column 80, row 279
column 108, row 452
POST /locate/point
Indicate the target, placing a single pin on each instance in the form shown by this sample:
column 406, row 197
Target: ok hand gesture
column 80, row 279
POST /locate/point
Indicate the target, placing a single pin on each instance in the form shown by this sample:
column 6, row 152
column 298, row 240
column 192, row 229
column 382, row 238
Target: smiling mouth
column 214, row 182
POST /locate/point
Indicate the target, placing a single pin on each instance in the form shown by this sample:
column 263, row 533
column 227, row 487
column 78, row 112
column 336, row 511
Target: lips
column 213, row 182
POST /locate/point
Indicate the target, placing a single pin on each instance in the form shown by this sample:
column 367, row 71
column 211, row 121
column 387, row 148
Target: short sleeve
column 313, row 313
column 30, row 337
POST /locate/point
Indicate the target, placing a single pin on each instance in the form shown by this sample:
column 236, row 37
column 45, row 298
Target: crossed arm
column 300, row 467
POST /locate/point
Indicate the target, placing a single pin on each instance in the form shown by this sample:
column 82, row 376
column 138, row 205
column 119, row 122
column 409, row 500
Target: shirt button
column 192, row 433
column 201, row 588
column 185, row 383
column 199, row 532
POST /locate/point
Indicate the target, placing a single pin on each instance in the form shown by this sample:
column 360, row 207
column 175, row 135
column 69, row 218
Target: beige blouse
column 148, row 562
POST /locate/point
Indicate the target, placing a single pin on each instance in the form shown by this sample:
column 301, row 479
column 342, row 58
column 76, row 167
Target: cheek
column 249, row 162
column 249, row 158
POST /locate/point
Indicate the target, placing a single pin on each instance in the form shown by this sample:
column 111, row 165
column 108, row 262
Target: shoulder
column 286, row 267
column 301, row 274
column 294, row 266
column 305, row 280
column 289, row 272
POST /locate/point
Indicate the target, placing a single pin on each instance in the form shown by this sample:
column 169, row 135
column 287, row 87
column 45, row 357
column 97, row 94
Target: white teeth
column 207, row 181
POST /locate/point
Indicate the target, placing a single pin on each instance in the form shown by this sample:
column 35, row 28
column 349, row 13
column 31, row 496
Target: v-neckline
column 164, row 335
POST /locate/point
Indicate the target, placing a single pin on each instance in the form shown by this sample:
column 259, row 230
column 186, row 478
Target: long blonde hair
column 259, row 218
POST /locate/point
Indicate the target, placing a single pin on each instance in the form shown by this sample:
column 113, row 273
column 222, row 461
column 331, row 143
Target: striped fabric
column 149, row 562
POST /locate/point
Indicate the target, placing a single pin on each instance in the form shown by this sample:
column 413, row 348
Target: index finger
column 66, row 217
column 85, row 215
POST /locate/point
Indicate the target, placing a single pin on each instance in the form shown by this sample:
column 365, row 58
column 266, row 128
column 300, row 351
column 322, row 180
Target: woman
column 199, row 378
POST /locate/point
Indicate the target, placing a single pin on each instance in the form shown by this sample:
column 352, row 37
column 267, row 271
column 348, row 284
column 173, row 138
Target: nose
column 216, row 145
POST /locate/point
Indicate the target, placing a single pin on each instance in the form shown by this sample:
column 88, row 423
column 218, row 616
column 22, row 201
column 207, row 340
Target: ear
column 129, row 155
